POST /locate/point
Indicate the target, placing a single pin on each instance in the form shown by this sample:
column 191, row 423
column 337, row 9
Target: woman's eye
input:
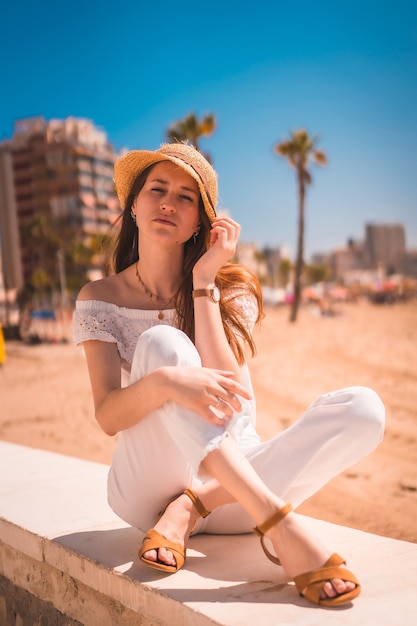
column 158, row 189
column 188, row 198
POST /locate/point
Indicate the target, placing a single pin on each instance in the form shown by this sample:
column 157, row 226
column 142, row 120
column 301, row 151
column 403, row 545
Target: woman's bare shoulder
column 103, row 289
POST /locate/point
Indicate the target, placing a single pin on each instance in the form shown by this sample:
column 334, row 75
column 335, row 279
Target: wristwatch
column 213, row 293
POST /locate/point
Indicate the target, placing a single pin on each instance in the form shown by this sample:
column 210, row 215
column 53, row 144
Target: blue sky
column 346, row 71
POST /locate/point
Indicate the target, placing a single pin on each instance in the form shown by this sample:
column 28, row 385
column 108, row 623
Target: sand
column 45, row 402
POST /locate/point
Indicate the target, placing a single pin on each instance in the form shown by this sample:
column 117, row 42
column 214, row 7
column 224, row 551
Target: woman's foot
column 176, row 525
column 300, row 551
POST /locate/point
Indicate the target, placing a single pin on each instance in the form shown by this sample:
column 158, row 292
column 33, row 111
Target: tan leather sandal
column 310, row 584
column 153, row 540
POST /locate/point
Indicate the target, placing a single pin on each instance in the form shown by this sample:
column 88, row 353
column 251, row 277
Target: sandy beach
column 45, row 402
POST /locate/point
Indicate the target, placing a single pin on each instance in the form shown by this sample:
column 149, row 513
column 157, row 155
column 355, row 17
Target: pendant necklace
column 152, row 296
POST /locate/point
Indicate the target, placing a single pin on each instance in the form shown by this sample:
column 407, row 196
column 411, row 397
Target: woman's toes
column 163, row 555
column 336, row 587
column 166, row 556
column 328, row 591
column 150, row 555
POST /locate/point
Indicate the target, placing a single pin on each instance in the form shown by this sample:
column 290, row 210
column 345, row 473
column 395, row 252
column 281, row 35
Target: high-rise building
column 346, row 260
column 385, row 246
column 11, row 265
column 58, row 170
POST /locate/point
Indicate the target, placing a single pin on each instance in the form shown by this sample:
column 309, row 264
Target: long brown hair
column 232, row 279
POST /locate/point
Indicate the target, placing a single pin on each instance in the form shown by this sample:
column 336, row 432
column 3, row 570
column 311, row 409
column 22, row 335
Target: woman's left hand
column 224, row 236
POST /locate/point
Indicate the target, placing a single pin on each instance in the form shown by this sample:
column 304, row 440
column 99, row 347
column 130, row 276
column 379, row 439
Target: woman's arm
column 210, row 338
column 118, row 408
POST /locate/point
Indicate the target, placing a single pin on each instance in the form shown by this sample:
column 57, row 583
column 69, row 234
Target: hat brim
column 132, row 164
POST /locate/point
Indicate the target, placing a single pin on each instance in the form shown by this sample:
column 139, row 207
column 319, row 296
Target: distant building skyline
column 60, row 170
column 385, row 244
column 381, row 253
column 63, row 170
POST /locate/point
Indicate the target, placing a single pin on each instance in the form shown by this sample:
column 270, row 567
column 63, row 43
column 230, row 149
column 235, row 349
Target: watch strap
column 198, row 293
column 212, row 293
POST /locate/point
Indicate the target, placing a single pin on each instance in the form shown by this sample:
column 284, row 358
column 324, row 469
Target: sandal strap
column 197, row 503
column 268, row 553
column 331, row 569
column 154, row 541
column 310, row 584
column 271, row 521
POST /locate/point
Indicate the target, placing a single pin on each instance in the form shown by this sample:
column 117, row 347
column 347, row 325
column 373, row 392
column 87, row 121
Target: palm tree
column 191, row 129
column 284, row 271
column 299, row 150
column 42, row 242
column 48, row 242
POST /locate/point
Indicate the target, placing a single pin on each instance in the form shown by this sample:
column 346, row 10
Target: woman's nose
column 168, row 203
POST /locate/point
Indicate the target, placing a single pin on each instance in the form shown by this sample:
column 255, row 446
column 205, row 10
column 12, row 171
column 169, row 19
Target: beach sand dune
column 45, row 402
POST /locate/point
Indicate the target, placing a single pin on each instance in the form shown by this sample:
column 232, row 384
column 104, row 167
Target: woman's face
column 167, row 206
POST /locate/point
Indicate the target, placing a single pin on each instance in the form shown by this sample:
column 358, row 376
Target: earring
column 195, row 235
column 133, row 216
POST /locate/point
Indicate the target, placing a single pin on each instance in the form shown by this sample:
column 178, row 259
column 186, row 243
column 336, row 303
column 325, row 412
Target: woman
column 177, row 317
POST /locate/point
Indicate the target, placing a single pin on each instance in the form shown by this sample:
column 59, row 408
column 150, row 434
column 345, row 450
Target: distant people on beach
column 166, row 338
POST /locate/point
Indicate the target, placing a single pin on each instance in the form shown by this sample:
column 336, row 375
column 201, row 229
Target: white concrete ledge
column 62, row 544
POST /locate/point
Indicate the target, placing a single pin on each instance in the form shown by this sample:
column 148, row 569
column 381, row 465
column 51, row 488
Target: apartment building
column 385, row 246
column 58, row 170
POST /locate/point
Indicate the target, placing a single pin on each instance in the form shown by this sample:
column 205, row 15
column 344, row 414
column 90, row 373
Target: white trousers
column 160, row 456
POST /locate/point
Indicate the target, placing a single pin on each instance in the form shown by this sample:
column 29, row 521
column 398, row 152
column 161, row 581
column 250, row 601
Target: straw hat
column 130, row 165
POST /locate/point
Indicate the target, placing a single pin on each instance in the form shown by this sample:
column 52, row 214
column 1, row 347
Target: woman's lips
column 164, row 220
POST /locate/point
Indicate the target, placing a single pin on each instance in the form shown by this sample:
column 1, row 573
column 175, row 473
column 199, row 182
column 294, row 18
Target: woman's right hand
column 224, row 236
column 203, row 389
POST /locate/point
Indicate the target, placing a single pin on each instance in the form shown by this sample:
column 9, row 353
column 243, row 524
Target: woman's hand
column 211, row 393
column 224, row 236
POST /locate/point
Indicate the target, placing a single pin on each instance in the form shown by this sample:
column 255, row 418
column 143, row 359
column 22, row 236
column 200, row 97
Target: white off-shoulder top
column 104, row 321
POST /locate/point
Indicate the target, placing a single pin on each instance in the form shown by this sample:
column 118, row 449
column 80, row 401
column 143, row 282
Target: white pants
column 159, row 456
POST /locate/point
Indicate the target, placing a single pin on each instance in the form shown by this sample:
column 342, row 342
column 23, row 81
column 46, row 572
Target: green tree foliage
column 284, row 271
column 46, row 242
column 300, row 150
column 42, row 243
column 192, row 129
column 316, row 273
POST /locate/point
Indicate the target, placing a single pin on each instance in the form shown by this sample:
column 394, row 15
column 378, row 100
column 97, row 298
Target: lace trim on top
column 246, row 308
column 104, row 321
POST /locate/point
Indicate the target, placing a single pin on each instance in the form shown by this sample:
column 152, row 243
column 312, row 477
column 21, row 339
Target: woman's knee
column 357, row 412
column 366, row 414
column 161, row 346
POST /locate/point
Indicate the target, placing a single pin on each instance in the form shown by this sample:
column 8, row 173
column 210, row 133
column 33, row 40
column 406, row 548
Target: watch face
column 216, row 294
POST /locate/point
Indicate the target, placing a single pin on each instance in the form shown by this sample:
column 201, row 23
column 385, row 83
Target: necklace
column 152, row 296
